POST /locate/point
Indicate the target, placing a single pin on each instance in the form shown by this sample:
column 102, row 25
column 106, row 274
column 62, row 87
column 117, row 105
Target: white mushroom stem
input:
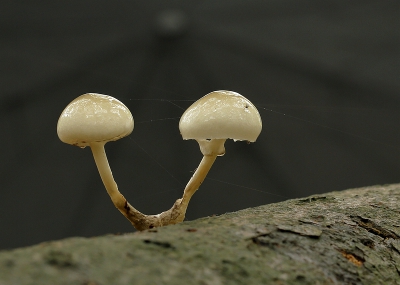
column 210, row 149
column 198, row 178
column 139, row 220
column 103, row 166
column 100, row 157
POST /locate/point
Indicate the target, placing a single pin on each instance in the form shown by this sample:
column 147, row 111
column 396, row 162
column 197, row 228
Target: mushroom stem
column 197, row 178
column 210, row 149
column 178, row 211
column 100, row 157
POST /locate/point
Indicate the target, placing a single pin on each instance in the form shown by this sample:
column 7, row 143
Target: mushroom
column 93, row 120
column 211, row 120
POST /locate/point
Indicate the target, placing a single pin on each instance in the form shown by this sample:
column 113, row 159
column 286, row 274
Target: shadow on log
column 347, row 237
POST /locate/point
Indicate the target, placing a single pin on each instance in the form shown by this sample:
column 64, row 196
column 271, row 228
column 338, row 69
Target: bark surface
column 347, row 237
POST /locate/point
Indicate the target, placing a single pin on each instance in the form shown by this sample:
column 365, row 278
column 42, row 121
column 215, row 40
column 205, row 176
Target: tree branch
column 347, row 237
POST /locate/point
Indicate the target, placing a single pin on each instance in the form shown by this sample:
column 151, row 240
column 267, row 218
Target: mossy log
column 347, row 237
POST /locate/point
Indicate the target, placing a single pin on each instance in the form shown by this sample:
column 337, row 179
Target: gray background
column 323, row 74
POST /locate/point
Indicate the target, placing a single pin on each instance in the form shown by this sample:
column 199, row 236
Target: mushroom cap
column 94, row 118
column 221, row 115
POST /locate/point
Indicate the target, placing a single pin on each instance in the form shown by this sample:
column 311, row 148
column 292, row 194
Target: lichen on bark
column 346, row 237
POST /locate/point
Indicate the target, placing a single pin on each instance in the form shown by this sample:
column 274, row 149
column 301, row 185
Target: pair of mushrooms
column 95, row 119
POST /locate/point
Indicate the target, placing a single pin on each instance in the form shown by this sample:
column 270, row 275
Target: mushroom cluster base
column 347, row 237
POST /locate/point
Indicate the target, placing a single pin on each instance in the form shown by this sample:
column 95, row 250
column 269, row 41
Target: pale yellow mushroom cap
column 94, row 118
column 221, row 115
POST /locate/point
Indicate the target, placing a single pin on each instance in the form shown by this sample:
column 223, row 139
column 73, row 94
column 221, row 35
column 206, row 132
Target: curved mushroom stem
column 210, row 149
column 198, row 178
column 100, row 157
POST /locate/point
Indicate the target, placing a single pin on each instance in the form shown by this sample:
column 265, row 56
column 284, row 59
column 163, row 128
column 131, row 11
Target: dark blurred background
column 325, row 76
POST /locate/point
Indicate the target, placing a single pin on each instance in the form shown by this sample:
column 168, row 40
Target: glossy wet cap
column 94, row 118
column 221, row 115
